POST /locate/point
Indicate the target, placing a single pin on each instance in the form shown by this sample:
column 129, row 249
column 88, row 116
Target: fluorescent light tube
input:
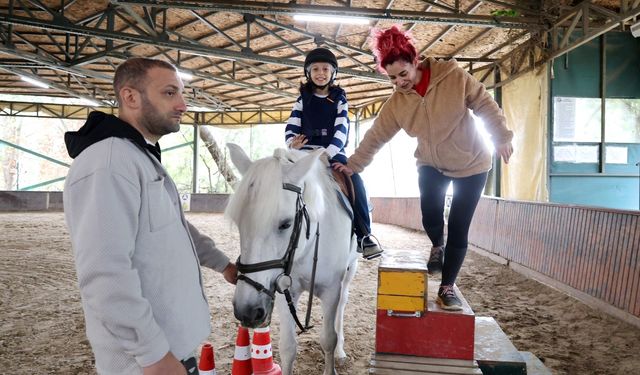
column 89, row 102
column 331, row 19
column 185, row 76
column 34, row 82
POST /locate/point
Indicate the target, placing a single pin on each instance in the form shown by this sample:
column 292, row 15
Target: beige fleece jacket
column 441, row 121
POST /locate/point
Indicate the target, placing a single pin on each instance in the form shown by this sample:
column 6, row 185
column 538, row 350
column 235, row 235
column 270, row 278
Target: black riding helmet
column 320, row 55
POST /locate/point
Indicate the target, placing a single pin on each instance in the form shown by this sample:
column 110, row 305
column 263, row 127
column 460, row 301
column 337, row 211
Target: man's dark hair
column 133, row 72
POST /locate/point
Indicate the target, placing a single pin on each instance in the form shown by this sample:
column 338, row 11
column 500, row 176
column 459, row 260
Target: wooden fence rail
column 592, row 250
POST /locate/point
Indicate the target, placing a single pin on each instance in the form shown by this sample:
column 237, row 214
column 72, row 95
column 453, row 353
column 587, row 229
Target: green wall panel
column 623, row 65
column 577, row 73
column 611, row 192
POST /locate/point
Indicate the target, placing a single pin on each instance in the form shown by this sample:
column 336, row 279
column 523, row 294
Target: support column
column 196, row 144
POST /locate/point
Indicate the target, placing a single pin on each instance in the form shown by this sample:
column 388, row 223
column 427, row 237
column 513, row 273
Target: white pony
column 278, row 206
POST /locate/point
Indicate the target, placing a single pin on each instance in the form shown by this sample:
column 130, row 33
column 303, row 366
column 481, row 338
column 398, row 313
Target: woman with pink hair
column 432, row 102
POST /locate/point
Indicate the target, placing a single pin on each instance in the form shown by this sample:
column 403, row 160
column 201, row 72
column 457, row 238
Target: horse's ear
column 303, row 166
column 239, row 158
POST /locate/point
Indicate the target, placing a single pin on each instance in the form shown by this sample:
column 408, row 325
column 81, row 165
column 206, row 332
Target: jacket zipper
column 430, row 127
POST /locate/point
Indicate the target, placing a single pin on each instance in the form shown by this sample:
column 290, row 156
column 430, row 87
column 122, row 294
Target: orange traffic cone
column 261, row 354
column 207, row 365
column 242, row 356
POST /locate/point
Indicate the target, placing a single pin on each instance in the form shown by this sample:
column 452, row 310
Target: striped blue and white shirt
column 323, row 120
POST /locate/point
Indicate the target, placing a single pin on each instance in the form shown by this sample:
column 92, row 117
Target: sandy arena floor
column 42, row 326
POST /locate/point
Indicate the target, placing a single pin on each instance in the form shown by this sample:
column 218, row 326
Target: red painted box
column 436, row 333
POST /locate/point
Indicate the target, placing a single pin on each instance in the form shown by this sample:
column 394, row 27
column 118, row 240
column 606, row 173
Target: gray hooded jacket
column 136, row 255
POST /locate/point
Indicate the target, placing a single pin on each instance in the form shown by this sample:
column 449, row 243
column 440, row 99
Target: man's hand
column 504, row 151
column 298, row 141
column 230, row 273
column 168, row 365
column 342, row 168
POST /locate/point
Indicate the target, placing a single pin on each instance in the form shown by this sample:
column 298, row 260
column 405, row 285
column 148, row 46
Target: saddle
column 346, row 194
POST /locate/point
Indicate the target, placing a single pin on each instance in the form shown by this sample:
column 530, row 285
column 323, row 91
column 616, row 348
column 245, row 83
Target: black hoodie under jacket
column 101, row 126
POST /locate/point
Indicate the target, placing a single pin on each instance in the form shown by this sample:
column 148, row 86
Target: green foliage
column 505, row 13
column 45, row 136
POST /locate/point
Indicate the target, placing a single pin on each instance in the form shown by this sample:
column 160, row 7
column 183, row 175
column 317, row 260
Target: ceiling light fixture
column 331, row 19
column 34, row 82
column 90, row 103
column 185, row 76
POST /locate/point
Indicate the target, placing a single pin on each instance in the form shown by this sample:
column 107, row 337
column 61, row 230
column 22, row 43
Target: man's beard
column 154, row 120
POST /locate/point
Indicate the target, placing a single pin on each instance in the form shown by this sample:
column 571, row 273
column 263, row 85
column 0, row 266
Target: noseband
column 283, row 281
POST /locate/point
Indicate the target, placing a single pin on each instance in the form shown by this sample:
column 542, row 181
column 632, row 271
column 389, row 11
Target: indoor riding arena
column 551, row 280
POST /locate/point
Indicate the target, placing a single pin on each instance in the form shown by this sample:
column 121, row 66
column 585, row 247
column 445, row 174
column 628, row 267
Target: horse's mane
column 259, row 190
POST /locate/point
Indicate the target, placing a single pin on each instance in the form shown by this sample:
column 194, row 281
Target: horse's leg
column 288, row 342
column 340, row 355
column 329, row 337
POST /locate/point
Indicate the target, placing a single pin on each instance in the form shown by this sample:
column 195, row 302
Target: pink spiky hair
column 391, row 45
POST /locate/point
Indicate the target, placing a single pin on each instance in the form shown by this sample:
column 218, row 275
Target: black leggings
column 466, row 194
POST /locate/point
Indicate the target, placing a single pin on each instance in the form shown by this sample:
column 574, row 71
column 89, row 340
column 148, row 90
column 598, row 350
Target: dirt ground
column 42, row 326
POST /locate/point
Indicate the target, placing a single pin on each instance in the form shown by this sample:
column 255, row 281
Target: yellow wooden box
column 402, row 281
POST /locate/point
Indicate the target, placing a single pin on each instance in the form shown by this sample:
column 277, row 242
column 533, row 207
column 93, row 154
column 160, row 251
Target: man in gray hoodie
column 137, row 258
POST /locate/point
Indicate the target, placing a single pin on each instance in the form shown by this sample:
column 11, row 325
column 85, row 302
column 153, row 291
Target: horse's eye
column 285, row 225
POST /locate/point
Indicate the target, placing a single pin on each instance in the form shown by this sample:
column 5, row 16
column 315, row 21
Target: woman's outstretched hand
column 504, row 150
column 342, row 168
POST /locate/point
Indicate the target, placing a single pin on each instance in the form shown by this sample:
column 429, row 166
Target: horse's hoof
column 341, row 362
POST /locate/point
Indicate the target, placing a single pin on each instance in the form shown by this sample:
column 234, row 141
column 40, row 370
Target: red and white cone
column 261, row 354
column 207, row 365
column 242, row 355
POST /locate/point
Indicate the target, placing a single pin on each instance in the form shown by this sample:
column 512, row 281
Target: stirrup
column 377, row 244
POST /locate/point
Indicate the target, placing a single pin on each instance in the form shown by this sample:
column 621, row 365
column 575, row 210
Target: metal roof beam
column 60, row 87
column 395, row 15
column 314, row 36
column 139, row 20
column 246, row 65
column 469, row 42
column 528, row 48
column 198, row 49
column 51, row 63
column 472, row 8
column 518, row 5
column 205, row 21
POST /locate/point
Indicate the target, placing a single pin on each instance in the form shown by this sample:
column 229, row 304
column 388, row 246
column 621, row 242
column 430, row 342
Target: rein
column 283, row 281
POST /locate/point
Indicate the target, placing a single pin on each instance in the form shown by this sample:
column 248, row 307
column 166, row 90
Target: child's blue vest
column 319, row 116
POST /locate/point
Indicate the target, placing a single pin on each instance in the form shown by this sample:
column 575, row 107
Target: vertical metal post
column 196, row 144
column 550, row 130
column 17, row 175
column 9, row 42
column 497, row 177
column 164, row 20
column 248, row 19
column 357, row 136
column 638, row 165
column 110, row 26
column 603, row 100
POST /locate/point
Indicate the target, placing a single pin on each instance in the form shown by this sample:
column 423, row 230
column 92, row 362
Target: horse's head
column 269, row 209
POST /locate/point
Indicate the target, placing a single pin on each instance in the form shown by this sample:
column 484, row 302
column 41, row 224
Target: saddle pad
column 345, row 191
column 345, row 203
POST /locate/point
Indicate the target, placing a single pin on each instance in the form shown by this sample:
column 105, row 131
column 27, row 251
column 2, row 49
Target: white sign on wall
column 185, row 201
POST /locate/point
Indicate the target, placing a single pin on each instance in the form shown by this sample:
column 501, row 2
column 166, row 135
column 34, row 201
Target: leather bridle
column 283, row 281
